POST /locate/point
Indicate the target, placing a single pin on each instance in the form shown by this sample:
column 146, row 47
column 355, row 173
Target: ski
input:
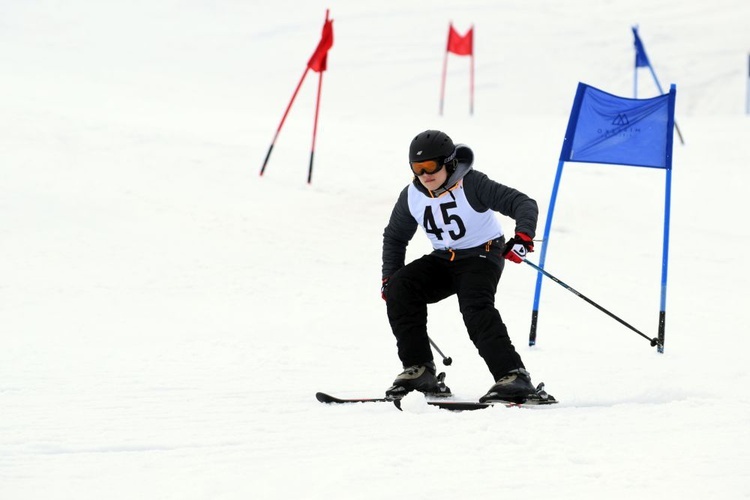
column 476, row 405
column 540, row 398
column 327, row 398
column 453, row 405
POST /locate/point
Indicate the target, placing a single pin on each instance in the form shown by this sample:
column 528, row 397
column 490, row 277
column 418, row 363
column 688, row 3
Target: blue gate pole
column 664, row 263
column 658, row 86
column 667, row 210
column 543, row 255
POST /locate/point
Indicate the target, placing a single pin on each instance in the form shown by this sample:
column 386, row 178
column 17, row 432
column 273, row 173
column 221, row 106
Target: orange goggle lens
column 425, row 167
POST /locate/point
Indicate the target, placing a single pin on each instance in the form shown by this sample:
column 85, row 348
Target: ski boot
column 420, row 378
column 515, row 387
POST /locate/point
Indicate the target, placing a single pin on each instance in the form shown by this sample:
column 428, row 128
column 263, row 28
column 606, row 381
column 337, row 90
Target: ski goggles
column 431, row 166
column 426, row 167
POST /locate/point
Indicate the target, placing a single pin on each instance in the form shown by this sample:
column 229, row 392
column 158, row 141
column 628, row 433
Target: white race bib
column 450, row 221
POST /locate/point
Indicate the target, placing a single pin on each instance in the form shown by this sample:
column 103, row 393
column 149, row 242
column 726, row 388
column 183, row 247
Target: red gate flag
column 319, row 60
column 461, row 45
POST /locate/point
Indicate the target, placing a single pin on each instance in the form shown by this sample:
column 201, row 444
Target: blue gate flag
column 641, row 59
column 605, row 128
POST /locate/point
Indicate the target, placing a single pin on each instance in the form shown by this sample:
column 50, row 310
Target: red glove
column 517, row 247
column 383, row 287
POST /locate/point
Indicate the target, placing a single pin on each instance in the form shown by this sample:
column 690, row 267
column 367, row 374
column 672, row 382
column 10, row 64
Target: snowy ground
column 166, row 315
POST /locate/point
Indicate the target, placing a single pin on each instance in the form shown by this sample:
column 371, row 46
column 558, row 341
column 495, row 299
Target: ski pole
column 654, row 341
column 446, row 361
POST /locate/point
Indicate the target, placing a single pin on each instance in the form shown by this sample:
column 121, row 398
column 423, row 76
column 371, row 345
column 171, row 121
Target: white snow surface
column 167, row 314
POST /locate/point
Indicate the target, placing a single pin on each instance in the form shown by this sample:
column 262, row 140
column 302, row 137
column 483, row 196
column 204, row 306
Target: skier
column 455, row 206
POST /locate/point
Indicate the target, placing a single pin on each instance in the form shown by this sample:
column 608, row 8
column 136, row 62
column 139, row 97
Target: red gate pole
column 283, row 119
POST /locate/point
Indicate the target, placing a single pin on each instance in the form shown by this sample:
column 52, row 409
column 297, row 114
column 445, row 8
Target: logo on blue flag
column 621, row 119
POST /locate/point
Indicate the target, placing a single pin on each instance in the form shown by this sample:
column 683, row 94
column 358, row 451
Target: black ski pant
column 431, row 279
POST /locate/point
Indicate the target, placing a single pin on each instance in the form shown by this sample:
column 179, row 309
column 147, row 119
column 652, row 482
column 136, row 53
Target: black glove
column 384, row 287
column 517, row 247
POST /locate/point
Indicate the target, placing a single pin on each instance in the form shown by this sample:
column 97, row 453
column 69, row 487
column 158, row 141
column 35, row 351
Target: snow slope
column 166, row 315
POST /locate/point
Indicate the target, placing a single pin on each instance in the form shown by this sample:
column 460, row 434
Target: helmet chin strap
column 450, row 170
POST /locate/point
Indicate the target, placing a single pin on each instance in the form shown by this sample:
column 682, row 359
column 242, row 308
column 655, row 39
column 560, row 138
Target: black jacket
column 482, row 193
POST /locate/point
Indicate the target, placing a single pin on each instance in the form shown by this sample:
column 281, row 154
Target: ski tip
column 323, row 397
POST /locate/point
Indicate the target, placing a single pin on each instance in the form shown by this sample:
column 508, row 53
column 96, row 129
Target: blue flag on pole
column 605, row 128
column 641, row 59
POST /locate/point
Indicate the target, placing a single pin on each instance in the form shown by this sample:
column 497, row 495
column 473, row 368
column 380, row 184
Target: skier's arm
column 399, row 231
column 485, row 194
